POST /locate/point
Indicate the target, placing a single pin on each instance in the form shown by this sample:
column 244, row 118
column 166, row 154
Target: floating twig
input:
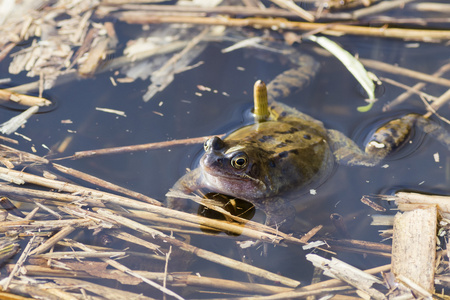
column 141, row 147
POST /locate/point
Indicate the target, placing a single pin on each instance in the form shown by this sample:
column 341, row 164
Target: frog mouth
column 233, row 176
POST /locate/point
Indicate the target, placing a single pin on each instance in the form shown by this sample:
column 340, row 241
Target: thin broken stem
column 141, row 147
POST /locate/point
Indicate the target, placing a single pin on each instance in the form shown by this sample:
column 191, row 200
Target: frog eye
column 240, row 161
column 206, row 145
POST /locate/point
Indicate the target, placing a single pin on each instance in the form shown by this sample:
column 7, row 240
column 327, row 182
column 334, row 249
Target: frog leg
column 435, row 130
column 279, row 213
column 289, row 82
column 346, row 152
column 187, row 184
column 384, row 140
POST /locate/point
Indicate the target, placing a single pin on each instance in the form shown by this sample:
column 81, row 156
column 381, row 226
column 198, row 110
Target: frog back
column 290, row 153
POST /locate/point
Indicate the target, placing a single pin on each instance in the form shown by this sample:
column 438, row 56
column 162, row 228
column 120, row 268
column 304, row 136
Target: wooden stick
column 418, row 34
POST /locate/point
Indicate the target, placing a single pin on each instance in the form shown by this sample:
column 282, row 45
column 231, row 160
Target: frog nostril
column 217, row 143
column 219, row 162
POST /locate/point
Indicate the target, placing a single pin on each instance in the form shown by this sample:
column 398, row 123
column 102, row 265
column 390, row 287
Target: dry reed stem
column 202, row 11
column 141, row 147
column 43, row 225
column 377, row 8
column 291, row 6
column 65, row 231
column 9, row 140
column 182, row 216
column 415, row 89
column 39, row 291
column 128, row 271
column 19, row 263
column 297, row 294
column 175, row 279
column 134, row 239
column 381, row 66
column 103, row 183
column 60, row 197
column 417, row 34
column 208, row 255
column 21, row 99
column 441, row 100
column 426, row 98
column 20, row 157
column 69, row 187
column 80, row 254
column 106, row 292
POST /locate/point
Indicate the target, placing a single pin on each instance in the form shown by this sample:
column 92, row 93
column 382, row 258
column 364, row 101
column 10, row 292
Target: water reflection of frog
column 290, row 151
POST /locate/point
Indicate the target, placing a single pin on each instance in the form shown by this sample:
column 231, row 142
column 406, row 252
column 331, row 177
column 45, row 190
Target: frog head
column 233, row 168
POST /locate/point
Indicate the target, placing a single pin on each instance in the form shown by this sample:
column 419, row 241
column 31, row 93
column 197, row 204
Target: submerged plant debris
column 65, row 234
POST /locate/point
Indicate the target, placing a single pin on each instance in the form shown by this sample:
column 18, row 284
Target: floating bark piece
column 414, row 246
column 410, row 201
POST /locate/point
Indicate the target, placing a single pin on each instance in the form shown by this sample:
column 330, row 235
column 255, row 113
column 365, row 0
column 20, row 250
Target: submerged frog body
column 289, row 151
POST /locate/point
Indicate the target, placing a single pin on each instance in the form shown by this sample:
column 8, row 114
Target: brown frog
column 286, row 151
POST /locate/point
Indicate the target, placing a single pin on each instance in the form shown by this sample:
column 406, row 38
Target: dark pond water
column 180, row 112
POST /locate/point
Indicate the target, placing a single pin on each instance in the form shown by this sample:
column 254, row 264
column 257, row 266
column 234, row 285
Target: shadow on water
column 184, row 110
